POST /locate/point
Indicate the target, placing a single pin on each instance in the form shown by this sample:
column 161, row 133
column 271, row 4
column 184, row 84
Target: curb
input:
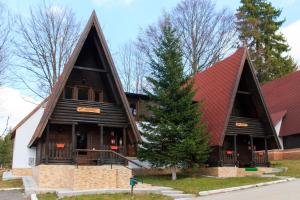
column 210, row 192
column 8, row 189
column 33, row 197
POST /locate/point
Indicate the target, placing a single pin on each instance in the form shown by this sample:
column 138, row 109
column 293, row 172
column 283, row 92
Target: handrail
column 108, row 151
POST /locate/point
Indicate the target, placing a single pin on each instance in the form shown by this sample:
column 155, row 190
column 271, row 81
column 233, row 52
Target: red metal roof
column 284, row 94
column 215, row 87
column 276, row 117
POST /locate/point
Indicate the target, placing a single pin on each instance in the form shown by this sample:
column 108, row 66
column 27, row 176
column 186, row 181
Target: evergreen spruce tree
column 174, row 135
column 258, row 25
column 6, row 150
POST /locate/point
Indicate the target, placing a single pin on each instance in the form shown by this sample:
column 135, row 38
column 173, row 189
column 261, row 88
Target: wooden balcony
column 64, row 154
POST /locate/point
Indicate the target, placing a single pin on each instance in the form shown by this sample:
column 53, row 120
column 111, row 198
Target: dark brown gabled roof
column 58, row 87
column 216, row 87
column 284, row 94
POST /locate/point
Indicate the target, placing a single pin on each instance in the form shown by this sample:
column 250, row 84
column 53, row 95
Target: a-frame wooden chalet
column 238, row 121
column 87, row 108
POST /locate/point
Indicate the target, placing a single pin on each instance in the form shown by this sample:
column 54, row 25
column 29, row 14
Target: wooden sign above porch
column 88, row 110
column 241, row 124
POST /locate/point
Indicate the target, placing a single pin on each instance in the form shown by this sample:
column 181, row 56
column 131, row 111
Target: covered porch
column 244, row 151
column 85, row 144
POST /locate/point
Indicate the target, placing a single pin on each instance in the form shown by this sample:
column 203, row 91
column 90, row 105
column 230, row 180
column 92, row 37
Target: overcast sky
column 121, row 21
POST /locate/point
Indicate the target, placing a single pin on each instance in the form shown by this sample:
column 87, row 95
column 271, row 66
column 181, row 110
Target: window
column 69, row 93
column 83, row 93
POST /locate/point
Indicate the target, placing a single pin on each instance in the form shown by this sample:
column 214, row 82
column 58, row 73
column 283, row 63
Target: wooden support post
column 266, row 151
column 124, row 141
column 74, row 142
column 252, row 151
column 47, row 144
column 221, row 154
column 101, row 137
column 235, row 151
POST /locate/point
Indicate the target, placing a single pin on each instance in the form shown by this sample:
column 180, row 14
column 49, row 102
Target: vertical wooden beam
column 235, row 150
column 266, row 151
column 47, row 144
column 138, row 110
column 221, row 156
column 124, row 141
column 252, row 151
column 101, row 137
column 74, row 142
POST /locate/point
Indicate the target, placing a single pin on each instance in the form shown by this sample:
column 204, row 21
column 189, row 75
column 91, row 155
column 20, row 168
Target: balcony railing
column 260, row 158
column 229, row 158
column 60, row 152
column 101, row 157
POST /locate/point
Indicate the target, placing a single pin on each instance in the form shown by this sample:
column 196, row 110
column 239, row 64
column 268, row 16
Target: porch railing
column 260, row 158
column 60, row 152
column 101, row 157
column 229, row 158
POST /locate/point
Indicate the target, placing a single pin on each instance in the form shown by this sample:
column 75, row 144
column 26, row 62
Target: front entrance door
column 244, row 150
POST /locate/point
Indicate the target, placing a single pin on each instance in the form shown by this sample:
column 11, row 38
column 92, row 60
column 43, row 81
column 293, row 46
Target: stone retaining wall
column 225, row 172
column 287, row 154
column 81, row 177
column 22, row 171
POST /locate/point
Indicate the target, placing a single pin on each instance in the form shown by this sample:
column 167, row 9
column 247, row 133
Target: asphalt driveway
column 12, row 195
column 281, row 191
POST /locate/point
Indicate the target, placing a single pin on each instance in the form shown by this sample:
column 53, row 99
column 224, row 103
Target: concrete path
column 12, row 195
column 281, row 191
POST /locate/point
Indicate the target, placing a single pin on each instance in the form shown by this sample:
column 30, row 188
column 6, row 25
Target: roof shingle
column 284, row 94
column 215, row 87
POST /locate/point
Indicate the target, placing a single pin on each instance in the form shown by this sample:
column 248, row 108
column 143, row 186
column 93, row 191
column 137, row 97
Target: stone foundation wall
column 226, row 172
column 287, row 154
column 22, row 171
column 53, row 176
column 81, row 177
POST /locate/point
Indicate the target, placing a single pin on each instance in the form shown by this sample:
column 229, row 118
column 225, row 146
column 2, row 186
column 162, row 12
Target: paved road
column 281, row 191
column 12, row 195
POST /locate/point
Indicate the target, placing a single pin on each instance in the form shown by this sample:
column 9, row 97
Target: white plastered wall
column 24, row 157
column 277, row 129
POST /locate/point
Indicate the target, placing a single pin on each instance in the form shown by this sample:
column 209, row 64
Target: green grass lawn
column 121, row 196
column 194, row 185
column 292, row 165
column 10, row 184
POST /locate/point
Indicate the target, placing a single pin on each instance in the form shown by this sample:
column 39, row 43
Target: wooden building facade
column 238, row 121
column 87, row 119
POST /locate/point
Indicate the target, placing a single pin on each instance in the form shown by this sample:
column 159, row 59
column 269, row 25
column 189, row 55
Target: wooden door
column 244, row 150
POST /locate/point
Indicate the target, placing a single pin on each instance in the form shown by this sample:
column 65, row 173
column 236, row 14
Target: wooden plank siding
column 255, row 127
column 111, row 115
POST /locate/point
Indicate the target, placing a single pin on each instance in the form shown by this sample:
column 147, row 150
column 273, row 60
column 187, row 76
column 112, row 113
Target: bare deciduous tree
column 131, row 67
column 5, row 27
column 207, row 34
column 47, row 38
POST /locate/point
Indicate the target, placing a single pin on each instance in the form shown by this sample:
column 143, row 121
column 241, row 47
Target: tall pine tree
column 174, row 136
column 258, row 25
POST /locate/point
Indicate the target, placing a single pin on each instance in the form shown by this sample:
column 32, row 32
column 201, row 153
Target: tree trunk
column 173, row 170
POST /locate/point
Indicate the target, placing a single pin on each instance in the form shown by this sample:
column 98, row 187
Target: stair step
column 183, row 198
column 171, row 192
column 176, row 196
